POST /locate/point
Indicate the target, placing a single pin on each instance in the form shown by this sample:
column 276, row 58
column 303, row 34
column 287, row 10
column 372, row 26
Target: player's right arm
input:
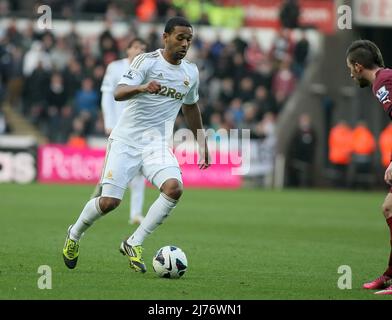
column 135, row 81
column 126, row 92
column 388, row 175
column 383, row 91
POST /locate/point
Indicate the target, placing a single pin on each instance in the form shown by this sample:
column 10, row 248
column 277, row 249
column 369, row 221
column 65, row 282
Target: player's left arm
column 387, row 105
column 384, row 95
column 193, row 119
column 192, row 115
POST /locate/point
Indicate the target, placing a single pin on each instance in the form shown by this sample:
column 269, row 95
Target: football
column 170, row 262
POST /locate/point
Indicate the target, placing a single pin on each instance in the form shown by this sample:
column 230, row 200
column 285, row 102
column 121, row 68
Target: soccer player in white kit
column 112, row 110
column 157, row 85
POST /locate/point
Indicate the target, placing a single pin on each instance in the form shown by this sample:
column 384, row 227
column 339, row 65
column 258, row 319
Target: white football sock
column 137, row 186
column 158, row 211
column 90, row 213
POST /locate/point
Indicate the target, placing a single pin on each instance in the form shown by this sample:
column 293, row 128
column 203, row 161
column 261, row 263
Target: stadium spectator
column 216, row 121
column 47, row 41
column 4, row 128
column 146, row 10
column 266, row 133
column 2, row 90
column 206, row 67
column 87, row 99
column 56, row 99
column 64, row 129
column 264, row 101
column 77, row 138
column 340, row 150
column 289, row 14
column 238, row 70
column 253, row 53
column 236, row 111
column 57, row 94
column 5, row 68
column 73, row 40
column 91, row 6
column 4, row 8
column 385, row 144
column 216, row 49
column 239, row 44
column 301, row 153
column 249, row 120
column 175, row 12
column 34, row 57
column 14, row 77
column 212, row 107
column 228, row 120
column 89, row 63
column 264, row 73
column 204, row 19
column 226, row 93
column 283, row 84
column 108, row 46
column 224, row 64
column 29, row 35
column 363, row 140
column 35, row 93
column 72, row 76
column 153, row 40
column 163, row 7
column 60, row 54
column 99, row 127
column 265, row 128
column 114, row 13
column 12, row 34
column 301, row 52
column 364, row 146
column 246, row 89
column 282, row 47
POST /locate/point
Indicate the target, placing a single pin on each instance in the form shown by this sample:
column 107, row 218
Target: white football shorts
column 123, row 163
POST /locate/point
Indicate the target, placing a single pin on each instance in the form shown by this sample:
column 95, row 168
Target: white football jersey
column 149, row 118
column 111, row 109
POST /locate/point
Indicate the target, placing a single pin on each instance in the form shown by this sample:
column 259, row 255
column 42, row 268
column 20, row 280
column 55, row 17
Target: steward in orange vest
column 385, row 143
column 340, row 144
column 363, row 140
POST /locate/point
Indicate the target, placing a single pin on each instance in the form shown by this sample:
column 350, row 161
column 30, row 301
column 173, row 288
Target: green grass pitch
column 240, row 244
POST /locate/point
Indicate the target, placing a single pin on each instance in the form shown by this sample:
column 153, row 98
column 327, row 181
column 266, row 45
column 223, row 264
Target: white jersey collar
column 168, row 64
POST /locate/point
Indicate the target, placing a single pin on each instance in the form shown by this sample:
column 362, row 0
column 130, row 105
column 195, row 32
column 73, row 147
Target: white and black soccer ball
column 170, row 262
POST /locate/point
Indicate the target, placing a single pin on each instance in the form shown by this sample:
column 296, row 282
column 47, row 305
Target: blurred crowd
column 114, row 10
column 55, row 81
column 353, row 153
